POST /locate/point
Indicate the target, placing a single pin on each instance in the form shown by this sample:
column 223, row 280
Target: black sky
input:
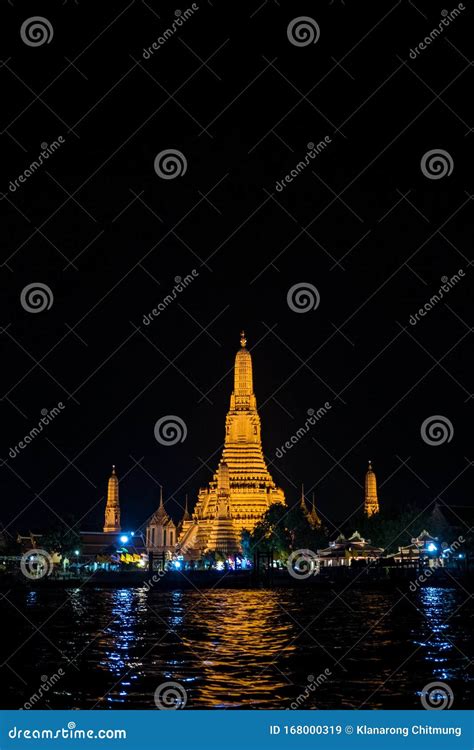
column 362, row 224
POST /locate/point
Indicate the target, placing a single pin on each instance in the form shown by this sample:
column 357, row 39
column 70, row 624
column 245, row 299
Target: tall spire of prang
column 186, row 516
column 112, row 509
column 302, row 500
column 243, row 378
column 371, row 502
column 314, row 519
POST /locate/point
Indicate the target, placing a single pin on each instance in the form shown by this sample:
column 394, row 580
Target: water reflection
column 247, row 648
column 437, row 630
column 121, row 634
column 235, row 647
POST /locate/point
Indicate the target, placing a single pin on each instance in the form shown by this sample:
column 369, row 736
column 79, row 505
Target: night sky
column 362, row 224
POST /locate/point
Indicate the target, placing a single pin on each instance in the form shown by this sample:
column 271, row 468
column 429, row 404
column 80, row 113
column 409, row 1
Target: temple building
column 311, row 515
column 371, row 502
column 112, row 508
column 242, row 489
column 161, row 536
column 343, row 552
column 112, row 545
column 424, row 548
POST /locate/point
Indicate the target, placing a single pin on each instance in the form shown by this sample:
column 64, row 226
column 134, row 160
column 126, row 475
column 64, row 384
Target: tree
column 62, row 539
column 282, row 530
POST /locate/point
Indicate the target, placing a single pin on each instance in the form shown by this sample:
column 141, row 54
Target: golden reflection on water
column 251, row 648
column 235, row 645
column 220, row 645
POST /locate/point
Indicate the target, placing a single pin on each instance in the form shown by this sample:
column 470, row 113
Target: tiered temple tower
column 112, row 509
column 241, row 489
column 371, row 502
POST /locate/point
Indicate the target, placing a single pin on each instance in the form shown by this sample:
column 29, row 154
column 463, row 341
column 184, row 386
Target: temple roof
column 160, row 517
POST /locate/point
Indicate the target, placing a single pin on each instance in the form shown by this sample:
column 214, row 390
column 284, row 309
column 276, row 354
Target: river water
column 231, row 649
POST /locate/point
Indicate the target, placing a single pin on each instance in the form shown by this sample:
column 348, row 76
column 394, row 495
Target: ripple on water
column 249, row 648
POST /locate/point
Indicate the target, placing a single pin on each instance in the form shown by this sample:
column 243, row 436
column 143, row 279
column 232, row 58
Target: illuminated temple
column 371, row 501
column 242, row 488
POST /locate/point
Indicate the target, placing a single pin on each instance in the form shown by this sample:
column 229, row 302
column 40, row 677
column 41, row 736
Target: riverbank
column 244, row 579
